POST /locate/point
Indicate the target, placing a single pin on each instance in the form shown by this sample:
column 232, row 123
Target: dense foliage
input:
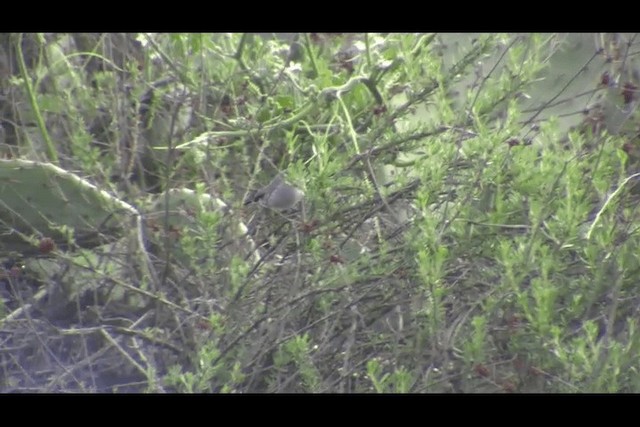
column 468, row 225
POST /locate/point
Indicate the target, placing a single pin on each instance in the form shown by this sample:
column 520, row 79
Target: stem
column 52, row 154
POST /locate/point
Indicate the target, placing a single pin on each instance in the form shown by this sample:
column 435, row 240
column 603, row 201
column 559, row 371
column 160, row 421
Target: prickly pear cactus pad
column 42, row 202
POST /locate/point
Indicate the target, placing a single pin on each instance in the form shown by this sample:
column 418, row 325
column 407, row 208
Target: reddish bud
column 336, row 259
column 481, row 370
column 46, row 245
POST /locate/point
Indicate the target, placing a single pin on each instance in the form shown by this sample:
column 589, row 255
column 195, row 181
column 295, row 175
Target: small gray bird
column 279, row 194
